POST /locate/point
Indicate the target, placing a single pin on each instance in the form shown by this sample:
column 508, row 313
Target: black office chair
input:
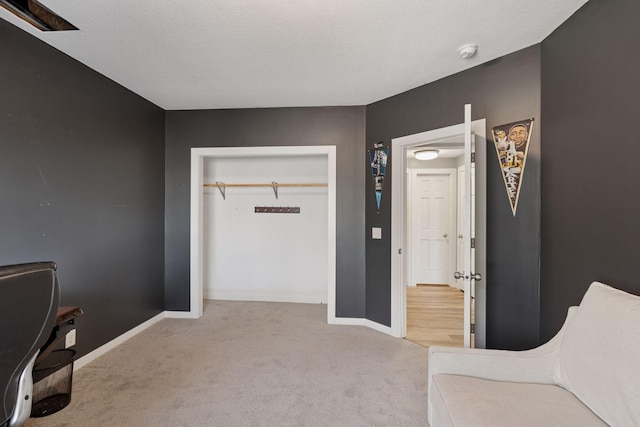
column 29, row 296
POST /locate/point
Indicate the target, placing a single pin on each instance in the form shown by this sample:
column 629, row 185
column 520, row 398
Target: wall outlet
column 70, row 339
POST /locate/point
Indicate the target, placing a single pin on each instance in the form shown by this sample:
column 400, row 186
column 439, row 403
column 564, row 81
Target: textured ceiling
column 198, row 54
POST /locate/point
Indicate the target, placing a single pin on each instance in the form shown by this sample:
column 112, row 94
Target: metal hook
column 223, row 189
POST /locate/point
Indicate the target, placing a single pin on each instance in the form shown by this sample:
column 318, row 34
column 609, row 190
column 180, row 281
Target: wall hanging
column 512, row 146
column 278, row 209
column 378, row 159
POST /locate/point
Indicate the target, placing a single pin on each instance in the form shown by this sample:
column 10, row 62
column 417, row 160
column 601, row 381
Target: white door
column 468, row 275
column 431, row 229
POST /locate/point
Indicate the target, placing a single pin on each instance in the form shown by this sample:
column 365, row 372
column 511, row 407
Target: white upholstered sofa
column 587, row 375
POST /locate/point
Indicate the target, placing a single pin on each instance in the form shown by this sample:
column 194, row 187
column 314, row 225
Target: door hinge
column 473, row 243
column 473, row 157
column 473, row 328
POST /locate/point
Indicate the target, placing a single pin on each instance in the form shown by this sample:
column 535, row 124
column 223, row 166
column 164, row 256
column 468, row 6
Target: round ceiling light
column 426, row 154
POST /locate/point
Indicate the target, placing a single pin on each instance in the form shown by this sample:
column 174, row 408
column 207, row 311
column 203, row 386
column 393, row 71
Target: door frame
column 196, row 228
column 453, row 203
column 398, row 223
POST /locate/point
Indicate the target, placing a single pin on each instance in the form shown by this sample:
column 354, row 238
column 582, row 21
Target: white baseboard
column 378, row 327
column 179, row 315
column 90, row 357
column 358, row 321
column 266, row 297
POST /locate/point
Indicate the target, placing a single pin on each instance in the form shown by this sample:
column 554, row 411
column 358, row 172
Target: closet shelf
column 222, row 186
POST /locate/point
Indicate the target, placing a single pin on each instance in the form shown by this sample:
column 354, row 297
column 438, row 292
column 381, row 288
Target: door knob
column 457, row 275
column 460, row 236
column 445, row 235
column 476, row 276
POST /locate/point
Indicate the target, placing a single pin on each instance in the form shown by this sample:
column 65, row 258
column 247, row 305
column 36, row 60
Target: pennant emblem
column 378, row 160
column 512, row 146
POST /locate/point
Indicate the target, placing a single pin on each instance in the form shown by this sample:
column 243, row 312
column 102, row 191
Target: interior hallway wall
column 591, row 205
column 81, row 184
column 502, row 91
column 339, row 126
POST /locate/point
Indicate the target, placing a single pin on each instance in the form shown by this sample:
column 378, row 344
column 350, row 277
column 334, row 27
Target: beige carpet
column 252, row 364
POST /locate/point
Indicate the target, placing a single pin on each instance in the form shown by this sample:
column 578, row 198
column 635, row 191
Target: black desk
column 66, row 316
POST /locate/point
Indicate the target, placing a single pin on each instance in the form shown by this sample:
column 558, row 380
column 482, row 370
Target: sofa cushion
column 599, row 359
column 468, row 401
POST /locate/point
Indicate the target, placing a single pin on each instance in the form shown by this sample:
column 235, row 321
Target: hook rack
column 279, row 209
column 223, row 186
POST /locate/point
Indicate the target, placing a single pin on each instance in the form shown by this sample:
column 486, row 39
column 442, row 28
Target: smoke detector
column 468, row 50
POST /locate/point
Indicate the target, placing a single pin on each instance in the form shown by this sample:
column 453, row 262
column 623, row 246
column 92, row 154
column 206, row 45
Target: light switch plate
column 376, row 233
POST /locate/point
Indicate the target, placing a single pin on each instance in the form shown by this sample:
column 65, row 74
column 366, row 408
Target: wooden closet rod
column 223, row 186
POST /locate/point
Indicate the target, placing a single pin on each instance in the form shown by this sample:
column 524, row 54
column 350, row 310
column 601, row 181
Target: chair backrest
column 29, row 297
column 599, row 359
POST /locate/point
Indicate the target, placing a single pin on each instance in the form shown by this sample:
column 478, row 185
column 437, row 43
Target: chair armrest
column 497, row 365
column 535, row 365
column 532, row 366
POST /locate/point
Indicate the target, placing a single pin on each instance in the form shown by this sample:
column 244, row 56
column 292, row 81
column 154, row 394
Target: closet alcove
column 277, row 255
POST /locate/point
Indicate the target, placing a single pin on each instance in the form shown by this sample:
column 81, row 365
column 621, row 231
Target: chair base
column 22, row 410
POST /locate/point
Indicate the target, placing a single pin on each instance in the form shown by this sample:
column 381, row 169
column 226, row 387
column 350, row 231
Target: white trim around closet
column 196, row 245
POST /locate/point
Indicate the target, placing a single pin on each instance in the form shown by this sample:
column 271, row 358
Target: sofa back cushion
column 599, row 359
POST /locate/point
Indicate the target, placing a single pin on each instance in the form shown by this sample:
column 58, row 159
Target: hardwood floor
column 435, row 315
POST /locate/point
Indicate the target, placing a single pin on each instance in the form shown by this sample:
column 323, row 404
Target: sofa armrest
column 531, row 366
column 535, row 365
column 497, row 365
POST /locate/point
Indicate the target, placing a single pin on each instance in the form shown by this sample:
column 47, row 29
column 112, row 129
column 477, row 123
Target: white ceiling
column 200, row 54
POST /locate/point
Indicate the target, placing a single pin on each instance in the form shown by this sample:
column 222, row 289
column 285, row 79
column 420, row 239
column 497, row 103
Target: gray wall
column 591, row 205
column 82, row 167
column 81, row 184
column 501, row 91
column 340, row 126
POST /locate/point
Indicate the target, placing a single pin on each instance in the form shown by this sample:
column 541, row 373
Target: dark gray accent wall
column 502, row 91
column 339, row 126
column 591, row 201
column 81, row 184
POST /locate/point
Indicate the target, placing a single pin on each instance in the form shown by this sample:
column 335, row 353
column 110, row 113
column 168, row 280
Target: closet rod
column 223, row 186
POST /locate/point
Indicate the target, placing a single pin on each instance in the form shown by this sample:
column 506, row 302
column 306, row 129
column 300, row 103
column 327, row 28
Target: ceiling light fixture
column 426, row 154
column 33, row 12
column 468, row 50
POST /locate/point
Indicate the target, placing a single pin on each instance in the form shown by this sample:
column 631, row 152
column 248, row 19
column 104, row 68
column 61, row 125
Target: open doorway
column 434, row 243
column 471, row 276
